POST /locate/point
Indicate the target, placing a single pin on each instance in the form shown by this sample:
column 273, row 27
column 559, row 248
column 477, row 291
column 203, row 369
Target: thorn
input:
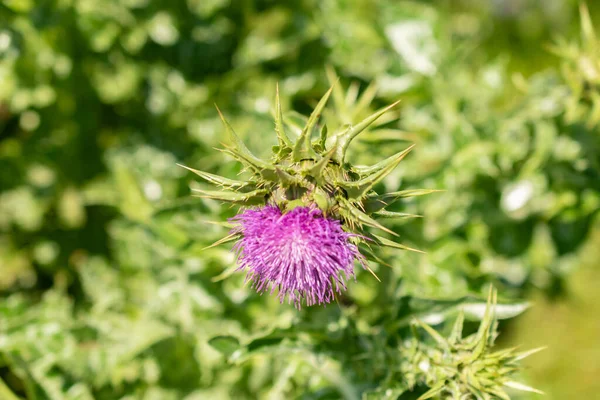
column 373, row 273
column 348, row 135
column 303, row 147
column 229, row 238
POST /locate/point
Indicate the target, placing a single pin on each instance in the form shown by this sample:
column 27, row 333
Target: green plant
column 108, row 289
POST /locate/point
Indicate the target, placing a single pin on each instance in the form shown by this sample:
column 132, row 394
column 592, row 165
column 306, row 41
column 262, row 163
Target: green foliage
column 110, row 289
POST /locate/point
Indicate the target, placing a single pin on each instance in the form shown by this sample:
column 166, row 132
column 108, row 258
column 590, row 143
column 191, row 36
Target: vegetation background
column 105, row 289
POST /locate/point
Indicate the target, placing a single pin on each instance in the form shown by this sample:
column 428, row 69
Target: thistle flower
column 314, row 207
column 302, row 253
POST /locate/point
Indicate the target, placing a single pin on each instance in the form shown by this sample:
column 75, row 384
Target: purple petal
column 303, row 254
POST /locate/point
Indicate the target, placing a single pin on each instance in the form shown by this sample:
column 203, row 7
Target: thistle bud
column 463, row 367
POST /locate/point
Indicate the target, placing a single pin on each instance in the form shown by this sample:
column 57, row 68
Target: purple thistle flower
column 302, row 253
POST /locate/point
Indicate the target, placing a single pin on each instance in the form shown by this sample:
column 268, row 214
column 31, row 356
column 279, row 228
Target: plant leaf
column 226, row 345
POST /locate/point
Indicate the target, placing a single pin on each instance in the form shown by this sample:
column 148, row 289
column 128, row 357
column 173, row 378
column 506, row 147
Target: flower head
column 304, row 254
column 307, row 191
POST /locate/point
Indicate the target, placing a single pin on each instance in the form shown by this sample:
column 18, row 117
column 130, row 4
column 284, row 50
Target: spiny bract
column 309, row 170
column 463, row 367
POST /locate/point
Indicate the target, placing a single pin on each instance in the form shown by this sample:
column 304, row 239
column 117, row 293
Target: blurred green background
column 105, row 290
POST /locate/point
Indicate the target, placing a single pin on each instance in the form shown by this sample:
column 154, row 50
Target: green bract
column 460, row 367
column 309, row 168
